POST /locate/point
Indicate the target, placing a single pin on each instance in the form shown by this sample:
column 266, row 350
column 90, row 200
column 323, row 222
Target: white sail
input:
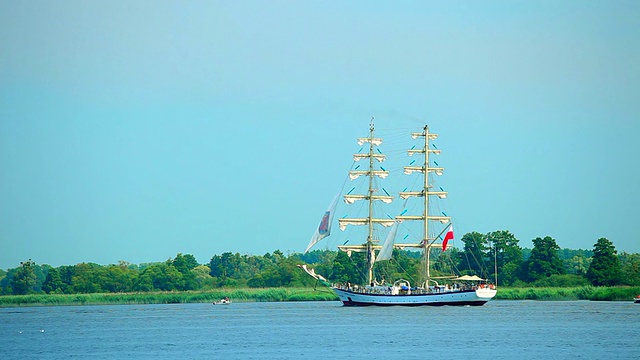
column 442, row 219
column 407, row 194
column 363, row 221
column 431, row 136
column 421, row 151
column 379, row 157
column 324, row 229
column 408, row 170
column 374, row 141
column 350, row 199
column 357, row 173
column 387, row 246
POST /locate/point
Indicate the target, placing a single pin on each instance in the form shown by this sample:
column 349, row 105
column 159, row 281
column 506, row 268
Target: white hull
column 466, row 297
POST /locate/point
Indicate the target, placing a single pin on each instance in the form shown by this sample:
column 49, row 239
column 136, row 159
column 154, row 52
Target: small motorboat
column 637, row 299
column 224, row 301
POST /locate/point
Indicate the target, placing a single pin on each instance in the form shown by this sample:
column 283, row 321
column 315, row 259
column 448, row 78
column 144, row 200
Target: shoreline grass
column 296, row 294
column 183, row 297
column 618, row 293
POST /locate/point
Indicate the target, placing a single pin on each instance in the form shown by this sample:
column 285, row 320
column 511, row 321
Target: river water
column 323, row 330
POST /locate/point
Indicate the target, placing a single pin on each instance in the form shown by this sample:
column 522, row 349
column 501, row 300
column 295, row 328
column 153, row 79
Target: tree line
column 496, row 253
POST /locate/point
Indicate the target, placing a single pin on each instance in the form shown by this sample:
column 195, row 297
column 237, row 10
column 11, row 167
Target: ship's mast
column 427, row 243
column 370, row 250
column 371, row 244
column 425, row 238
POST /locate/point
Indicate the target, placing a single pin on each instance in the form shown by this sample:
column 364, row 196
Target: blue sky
column 137, row 130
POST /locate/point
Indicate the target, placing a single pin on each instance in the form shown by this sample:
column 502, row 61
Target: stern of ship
column 486, row 293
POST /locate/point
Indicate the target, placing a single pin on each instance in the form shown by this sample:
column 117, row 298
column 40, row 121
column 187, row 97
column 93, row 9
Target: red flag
column 447, row 237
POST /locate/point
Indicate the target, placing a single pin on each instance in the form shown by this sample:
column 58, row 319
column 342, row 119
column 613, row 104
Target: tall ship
column 430, row 289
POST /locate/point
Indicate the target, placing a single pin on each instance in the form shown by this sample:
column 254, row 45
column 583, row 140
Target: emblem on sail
column 324, row 229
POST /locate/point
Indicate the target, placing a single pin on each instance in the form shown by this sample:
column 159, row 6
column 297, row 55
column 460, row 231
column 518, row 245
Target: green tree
column 575, row 261
column 577, row 265
column 215, row 266
column 119, row 278
column 24, row 279
column 605, row 267
column 474, row 253
column 3, row 279
column 87, row 278
column 226, row 265
column 160, row 276
column 53, row 282
column 320, row 260
column 66, row 275
column 278, row 271
column 544, row 260
column 630, row 265
column 344, row 269
column 404, row 264
column 507, row 255
column 171, row 279
column 41, row 274
column 202, row 277
column 256, row 282
column 185, row 263
column 271, row 278
column 145, row 279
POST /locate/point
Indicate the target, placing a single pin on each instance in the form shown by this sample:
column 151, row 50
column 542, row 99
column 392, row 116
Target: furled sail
column 363, row 221
column 408, row 170
column 387, row 246
column 417, row 135
column 357, row 173
column 421, row 151
column 324, row 229
column 379, row 157
column 407, row 194
column 374, row 141
column 442, row 219
column 350, row 199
